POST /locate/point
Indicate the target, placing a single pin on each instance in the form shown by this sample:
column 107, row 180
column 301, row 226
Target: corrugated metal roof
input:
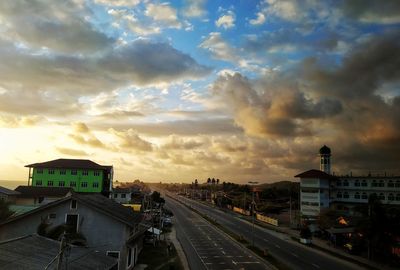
column 8, row 191
column 34, row 191
column 69, row 163
column 36, row 252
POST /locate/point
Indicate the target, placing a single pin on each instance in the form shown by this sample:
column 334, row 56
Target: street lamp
column 252, row 210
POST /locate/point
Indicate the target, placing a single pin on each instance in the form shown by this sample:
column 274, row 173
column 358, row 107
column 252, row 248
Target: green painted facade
column 81, row 180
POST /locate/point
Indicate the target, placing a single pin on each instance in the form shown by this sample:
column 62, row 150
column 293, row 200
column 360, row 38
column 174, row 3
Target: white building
column 320, row 190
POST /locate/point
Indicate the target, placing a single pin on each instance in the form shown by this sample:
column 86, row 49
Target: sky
column 173, row 91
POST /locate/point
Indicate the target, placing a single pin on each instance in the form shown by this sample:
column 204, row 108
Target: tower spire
column 325, row 159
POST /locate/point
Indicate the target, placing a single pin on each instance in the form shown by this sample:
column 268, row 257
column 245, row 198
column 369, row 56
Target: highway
column 206, row 247
column 295, row 255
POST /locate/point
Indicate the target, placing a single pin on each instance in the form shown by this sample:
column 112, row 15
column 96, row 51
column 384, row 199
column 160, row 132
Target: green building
column 82, row 175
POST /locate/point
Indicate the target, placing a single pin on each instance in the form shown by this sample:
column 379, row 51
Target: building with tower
column 319, row 189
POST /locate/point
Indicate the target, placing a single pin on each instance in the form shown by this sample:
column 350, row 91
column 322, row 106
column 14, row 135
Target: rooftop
column 315, row 174
column 35, row 252
column 8, row 191
column 69, row 163
column 35, row 191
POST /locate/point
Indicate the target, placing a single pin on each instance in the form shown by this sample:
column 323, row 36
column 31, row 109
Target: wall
column 67, row 178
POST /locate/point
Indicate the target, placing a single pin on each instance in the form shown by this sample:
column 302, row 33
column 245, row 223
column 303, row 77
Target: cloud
column 59, row 27
column 219, row 48
column 82, row 135
column 179, row 143
column 259, row 20
column 129, row 140
column 194, row 8
column 118, row 3
column 227, row 20
column 373, row 11
column 11, row 121
column 164, row 14
column 72, row 152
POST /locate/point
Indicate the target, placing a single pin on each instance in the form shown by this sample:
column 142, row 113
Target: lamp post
column 252, row 211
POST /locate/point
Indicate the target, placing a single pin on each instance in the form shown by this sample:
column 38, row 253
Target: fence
column 266, row 219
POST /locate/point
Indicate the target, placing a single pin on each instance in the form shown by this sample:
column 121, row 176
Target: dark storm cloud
column 372, row 11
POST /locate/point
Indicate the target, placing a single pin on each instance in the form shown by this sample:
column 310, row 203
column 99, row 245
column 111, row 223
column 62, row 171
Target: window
column 95, row 184
column 114, row 254
column 345, row 195
column 357, row 196
column 72, row 184
column 38, row 182
column 364, row 196
column 398, row 197
column 397, row 183
column 123, row 196
column 357, row 183
column 364, row 183
column 339, row 195
column 74, row 204
column 381, row 197
column 372, row 195
column 345, row 183
column 85, row 172
column 50, row 183
column 374, row 183
column 390, row 184
column 71, row 220
column 52, row 215
column 39, row 171
column 115, row 195
column 96, row 173
column 61, row 184
column 391, row 197
column 63, row 172
column 129, row 256
column 338, row 182
column 51, row 171
column 381, row 183
column 74, row 172
column 84, row 184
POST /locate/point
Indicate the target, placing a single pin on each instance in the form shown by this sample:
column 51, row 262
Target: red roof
column 69, row 163
column 315, row 174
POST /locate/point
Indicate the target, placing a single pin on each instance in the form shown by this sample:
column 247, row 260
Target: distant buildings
column 321, row 190
column 79, row 174
column 8, row 195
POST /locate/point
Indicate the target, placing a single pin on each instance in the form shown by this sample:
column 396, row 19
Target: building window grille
column 63, row 172
column 96, row 173
column 38, row 182
column 85, row 172
column 74, row 172
column 51, row 171
column 345, row 183
column 391, row 197
column 338, row 183
column 61, row 184
column 374, row 183
column 50, row 183
column 382, row 197
column 364, row 196
column 346, row 195
column 39, row 171
column 390, row 183
column 398, row 197
column 357, row 196
column 84, row 184
column 381, row 183
column 74, row 204
column 357, row 183
column 397, row 183
column 364, row 183
column 95, row 184
column 339, row 195
column 115, row 195
column 123, row 196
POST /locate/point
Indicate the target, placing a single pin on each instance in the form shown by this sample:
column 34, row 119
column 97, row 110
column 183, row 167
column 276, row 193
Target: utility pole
column 252, row 211
column 63, row 244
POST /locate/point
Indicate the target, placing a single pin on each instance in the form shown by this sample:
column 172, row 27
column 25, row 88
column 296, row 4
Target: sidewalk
column 171, row 236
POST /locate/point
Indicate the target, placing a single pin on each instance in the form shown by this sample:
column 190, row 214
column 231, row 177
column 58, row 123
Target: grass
column 157, row 257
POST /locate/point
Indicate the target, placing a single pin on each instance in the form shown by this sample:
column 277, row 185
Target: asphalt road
column 206, row 247
column 295, row 255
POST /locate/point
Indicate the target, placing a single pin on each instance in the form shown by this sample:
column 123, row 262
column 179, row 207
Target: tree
column 156, row 197
column 217, row 181
column 5, row 211
column 213, row 181
column 208, row 180
column 196, row 183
